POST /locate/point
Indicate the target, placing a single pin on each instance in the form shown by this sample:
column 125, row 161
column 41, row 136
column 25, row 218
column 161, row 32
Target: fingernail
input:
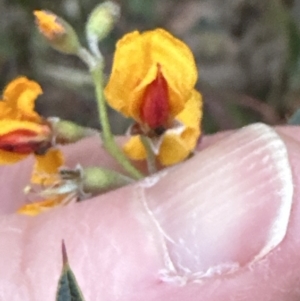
column 226, row 207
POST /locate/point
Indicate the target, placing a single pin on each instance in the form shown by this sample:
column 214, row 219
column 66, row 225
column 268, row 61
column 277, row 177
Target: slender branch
column 87, row 58
column 107, row 137
column 93, row 45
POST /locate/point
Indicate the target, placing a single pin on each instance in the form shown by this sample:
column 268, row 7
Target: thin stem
column 151, row 159
column 93, row 45
column 87, row 58
column 107, row 137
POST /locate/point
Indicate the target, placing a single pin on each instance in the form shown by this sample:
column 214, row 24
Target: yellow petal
column 130, row 67
column 192, row 113
column 10, row 158
column 5, row 110
column 34, row 209
column 11, row 125
column 135, row 66
column 176, row 148
column 190, row 136
column 135, row 149
column 191, row 117
column 173, row 150
column 48, row 24
column 46, row 167
column 20, row 96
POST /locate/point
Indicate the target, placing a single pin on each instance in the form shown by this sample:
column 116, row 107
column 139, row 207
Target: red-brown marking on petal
column 23, row 142
column 155, row 107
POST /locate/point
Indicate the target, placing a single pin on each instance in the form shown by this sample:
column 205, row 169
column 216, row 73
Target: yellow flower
column 22, row 130
column 152, row 81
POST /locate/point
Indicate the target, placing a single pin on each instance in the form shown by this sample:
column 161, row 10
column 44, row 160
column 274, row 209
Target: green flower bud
column 101, row 22
column 69, row 132
column 97, row 180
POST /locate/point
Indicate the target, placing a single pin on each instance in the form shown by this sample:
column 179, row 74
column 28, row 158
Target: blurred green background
column 247, row 51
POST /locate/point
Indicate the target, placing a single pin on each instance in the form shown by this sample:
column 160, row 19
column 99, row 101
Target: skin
column 197, row 231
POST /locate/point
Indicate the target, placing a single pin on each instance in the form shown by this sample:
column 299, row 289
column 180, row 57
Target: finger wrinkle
column 253, row 144
column 184, row 213
column 162, row 236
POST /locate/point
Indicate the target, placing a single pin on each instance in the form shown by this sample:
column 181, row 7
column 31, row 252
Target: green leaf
column 68, row 289
column 295, row 118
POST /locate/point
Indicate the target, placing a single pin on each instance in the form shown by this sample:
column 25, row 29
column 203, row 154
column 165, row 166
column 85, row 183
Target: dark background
column 247, row 51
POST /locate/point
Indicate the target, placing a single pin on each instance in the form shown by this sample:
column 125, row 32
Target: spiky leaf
column 68, row 289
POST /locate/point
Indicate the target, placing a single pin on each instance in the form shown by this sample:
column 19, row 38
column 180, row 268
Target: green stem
column 87, row 58
column 107, row 137
column 151, row 159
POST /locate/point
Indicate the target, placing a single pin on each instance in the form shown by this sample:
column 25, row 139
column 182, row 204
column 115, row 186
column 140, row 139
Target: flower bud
column 59, row 34
column 69, row 132
column 101, row 21
column 97, row 180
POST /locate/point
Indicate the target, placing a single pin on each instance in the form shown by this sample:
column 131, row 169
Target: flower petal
column 19, row 138
column 129, row 68
column 173, row 150
column 135, row 149
column 5, row 110
column 46, row 167
column 191, row 115
column 36, row 208
column 176, row 148
column 155, row 108
column 134, row 107
column 11, row 125
column 10, row 158
column 20, row 96
column 48, row 24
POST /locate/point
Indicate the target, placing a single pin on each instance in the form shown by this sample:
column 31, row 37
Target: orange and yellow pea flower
column 152, row 81
column 22, row 130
